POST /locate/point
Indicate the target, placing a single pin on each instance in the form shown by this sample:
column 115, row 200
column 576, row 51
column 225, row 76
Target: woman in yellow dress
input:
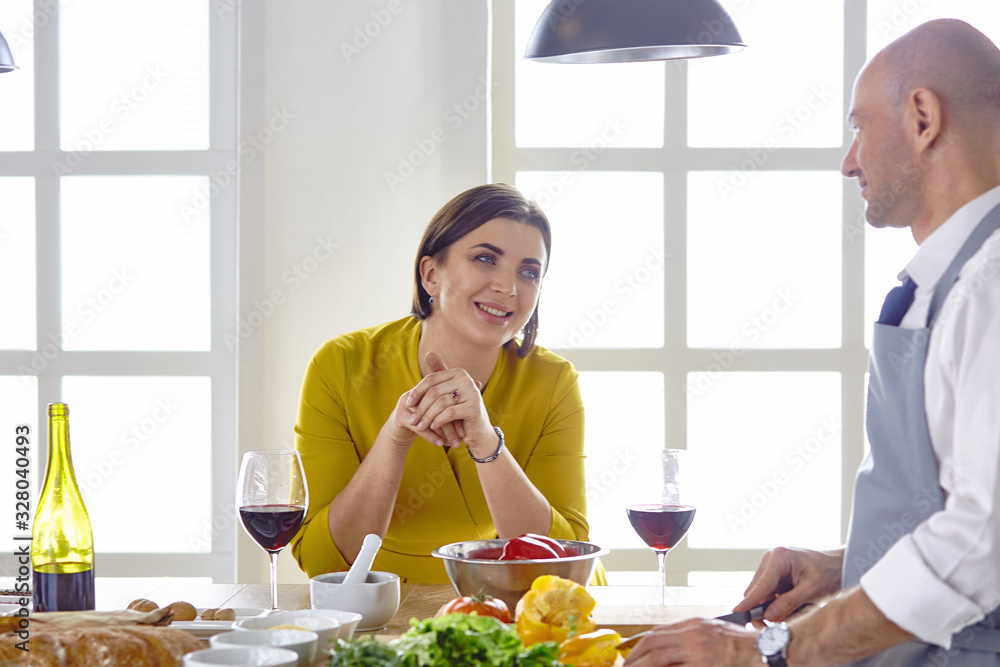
column 449, row 424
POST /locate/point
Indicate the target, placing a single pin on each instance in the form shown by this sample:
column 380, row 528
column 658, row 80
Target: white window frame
column 675, row 160
column 219, row 363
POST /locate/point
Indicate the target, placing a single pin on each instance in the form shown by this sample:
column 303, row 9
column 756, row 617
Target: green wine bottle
column 62, row 543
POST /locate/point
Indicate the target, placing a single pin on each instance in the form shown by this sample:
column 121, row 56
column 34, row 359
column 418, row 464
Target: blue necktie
column 897, row 302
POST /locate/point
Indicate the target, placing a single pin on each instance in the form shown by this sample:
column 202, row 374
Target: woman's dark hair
column 466, row 212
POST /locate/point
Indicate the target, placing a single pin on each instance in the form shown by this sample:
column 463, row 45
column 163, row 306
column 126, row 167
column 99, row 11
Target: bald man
column 919, row 580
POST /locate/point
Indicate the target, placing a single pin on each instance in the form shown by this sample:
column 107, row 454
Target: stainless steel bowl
column 510, row 579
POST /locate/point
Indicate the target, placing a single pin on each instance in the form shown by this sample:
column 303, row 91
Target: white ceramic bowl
column 251, row 656
column 349, row 620
column 325, row 627
column 303, row 642
column 377, row 599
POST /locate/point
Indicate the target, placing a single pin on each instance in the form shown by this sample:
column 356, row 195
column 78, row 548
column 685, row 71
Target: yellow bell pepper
column 553, row 609
column 591, row 649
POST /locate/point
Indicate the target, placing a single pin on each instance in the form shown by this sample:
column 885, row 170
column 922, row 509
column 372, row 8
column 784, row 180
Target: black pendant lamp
column 616, row 31
column 6, row 59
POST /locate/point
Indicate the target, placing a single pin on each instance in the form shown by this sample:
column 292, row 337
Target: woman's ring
column 454, row 395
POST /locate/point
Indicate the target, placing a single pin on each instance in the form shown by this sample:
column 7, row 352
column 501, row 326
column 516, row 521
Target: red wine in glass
column 272, row 497
column 272, row 526
column 661, row 526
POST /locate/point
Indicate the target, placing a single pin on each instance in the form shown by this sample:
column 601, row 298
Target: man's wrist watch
column 772, row 642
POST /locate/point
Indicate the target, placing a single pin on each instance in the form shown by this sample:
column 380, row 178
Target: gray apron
column 897, row 485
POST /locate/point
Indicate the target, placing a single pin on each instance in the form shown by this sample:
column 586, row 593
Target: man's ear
column 924, row 115
column 428, row 274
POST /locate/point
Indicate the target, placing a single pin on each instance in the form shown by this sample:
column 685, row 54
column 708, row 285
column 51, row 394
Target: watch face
column 773, row 639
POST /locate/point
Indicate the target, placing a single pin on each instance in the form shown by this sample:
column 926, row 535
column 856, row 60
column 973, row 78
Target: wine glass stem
column 661, row 557
column 274, row 579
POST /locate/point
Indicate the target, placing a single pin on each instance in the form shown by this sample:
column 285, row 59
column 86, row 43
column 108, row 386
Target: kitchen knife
column 740, row 617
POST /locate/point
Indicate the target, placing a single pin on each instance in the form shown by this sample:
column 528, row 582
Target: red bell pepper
column 532, row 547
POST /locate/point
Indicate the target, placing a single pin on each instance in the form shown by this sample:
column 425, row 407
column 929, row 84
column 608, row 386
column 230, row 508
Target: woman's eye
column 488, row 259
column 531, row 273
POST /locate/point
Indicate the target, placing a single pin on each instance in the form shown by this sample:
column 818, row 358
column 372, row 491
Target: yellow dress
column 350, row 388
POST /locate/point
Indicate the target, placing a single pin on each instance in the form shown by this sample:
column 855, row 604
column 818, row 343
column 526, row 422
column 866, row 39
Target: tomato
column 482, row 605
column 532, row 547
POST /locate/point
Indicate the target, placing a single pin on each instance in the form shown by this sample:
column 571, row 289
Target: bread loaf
column 100, row 646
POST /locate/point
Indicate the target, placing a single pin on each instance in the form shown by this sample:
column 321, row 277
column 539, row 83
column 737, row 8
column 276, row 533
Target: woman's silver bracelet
column 496, row 453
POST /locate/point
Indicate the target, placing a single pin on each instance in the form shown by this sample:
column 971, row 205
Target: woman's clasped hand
column 446, row 409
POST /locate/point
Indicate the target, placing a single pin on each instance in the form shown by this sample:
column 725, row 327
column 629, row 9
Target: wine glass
column 272, row 497
column 663, row 524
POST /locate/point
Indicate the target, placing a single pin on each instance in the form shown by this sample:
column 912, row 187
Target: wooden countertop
column 627, row 609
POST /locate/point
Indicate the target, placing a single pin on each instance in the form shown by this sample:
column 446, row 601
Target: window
column 118, row 257
column 712, row 276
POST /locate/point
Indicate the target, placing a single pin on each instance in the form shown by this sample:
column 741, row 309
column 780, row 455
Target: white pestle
column 358, row 573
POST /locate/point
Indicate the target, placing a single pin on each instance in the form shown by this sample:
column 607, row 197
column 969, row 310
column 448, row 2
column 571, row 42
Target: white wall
column 345, row 106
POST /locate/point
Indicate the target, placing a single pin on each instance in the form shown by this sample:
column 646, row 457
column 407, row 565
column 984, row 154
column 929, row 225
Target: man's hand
column 795, row 576
column 697, row 642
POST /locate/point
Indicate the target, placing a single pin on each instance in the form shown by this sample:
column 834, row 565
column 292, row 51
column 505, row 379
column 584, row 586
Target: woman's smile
column 494, row 313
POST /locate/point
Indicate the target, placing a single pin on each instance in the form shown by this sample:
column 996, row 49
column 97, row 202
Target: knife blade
column 744, row 617
column 739, row 617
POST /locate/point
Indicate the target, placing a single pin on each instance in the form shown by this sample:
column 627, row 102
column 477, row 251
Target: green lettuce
column 453, row 640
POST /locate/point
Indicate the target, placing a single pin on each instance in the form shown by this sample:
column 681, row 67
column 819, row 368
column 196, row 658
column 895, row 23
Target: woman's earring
column 431, row 300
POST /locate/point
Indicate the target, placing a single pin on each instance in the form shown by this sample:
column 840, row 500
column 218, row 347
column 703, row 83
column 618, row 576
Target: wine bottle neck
column 60, row 459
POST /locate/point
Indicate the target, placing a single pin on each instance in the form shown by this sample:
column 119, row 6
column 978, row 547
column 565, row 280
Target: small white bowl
column 303, row 642
column 377, row 599
column 326, row 628
column 256, row 656
column 349, row 620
